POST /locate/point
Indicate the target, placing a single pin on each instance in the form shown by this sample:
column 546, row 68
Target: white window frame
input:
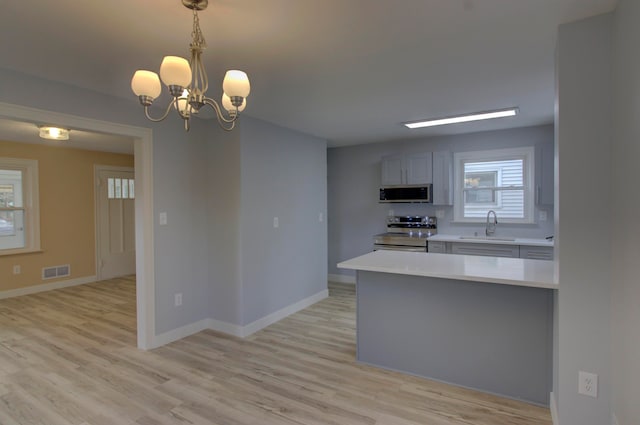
column 30, row 194
column 527, row 154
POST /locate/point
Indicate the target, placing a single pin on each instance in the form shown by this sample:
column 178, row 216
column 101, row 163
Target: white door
column 115, row 222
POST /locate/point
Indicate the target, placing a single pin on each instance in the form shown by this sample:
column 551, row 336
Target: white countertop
column 506, row 271
column 492, row 240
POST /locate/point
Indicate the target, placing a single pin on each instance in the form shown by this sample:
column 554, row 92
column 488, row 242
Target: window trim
column 527, row 154
column 31, row 201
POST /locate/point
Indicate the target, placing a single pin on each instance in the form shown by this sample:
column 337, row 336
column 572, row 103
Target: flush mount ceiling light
column 463, row 118
column 188, row 83
column 53, row 133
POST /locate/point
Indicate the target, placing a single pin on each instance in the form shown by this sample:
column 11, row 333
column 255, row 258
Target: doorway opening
column 143, row 203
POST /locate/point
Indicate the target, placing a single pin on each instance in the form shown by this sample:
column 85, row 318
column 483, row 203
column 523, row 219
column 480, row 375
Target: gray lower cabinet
column 486, row 249
column 491, row 250
column 536, row 252
column 437, row 247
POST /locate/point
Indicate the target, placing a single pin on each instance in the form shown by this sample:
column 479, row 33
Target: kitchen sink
column 488, row 238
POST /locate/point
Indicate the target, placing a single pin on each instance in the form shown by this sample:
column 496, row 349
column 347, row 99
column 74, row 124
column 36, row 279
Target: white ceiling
column 349, row 71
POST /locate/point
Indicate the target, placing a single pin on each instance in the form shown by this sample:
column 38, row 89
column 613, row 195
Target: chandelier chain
column 197, row 37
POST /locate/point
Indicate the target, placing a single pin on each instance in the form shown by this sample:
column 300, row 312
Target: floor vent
column 56, row 271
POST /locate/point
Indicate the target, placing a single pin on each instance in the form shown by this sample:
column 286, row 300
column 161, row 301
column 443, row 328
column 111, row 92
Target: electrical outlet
column 320, row 217
column 163, row 219
column 276, row 222
column 588, row 384
column 177, row 299
column 17, row 269
column 439, row 213
column 543, row 215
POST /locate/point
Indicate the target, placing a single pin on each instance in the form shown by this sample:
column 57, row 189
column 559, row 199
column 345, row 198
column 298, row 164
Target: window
column 19, row 215
column 120, row 188
column 499, row 180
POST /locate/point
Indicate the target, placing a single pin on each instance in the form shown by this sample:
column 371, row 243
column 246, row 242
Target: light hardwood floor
column 68, row 357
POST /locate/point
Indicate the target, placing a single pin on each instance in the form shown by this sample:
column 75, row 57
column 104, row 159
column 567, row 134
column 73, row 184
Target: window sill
column 6, row 252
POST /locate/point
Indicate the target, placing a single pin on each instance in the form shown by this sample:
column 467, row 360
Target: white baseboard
column 553, row 408
column 34, row 289
column 255, row 326
column 237, row 330
column 342, row 278
column 179, row 333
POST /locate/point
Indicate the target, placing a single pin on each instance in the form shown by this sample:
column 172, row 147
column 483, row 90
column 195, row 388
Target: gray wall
column 284, row 175
column 584, row 261
column 180, row 265
column 212, row 184
column 625, row 229
column 223, row 231
column 354, row 179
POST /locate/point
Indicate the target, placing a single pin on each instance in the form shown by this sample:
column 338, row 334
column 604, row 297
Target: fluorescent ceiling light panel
column 464, row 118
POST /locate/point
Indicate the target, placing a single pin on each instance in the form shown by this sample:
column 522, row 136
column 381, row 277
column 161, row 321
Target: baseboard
column 255, row 326
column 237, row 330
column 179, row 333
column 553, row 408
column 34, row 289
column 342, row 278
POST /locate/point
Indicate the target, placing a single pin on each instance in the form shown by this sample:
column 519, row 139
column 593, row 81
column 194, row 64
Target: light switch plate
column 163, row 219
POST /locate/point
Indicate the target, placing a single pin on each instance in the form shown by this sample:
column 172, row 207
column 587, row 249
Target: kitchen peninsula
column 479, row 322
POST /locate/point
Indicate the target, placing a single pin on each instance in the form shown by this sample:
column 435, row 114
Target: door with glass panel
column 115, row 216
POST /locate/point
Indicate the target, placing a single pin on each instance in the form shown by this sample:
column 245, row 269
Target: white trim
column 145, row 252
column 226, row 328
column 43, row 287
column 282, row 313
column 614, row 419
column 553, row 408
column 179, row 333
column 143, row 151
column 237, row 330
column 342, row 278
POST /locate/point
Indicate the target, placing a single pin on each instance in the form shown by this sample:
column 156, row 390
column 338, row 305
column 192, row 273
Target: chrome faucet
column 491, row 226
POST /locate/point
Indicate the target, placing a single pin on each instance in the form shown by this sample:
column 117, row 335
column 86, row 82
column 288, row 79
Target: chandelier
column 188, row 83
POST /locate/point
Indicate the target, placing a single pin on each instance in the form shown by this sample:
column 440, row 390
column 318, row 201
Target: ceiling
column 349, row 71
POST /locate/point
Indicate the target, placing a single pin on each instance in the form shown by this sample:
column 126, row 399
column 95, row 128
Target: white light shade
column 226, row 103
column 146, row 83
column 54, row 133
column 175, row 71
column 236, row 83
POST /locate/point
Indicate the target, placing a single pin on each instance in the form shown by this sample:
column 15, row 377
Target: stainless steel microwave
column 421, row 193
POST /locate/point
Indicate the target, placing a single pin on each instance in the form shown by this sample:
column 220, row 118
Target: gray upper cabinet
column 407, row 169
column 442, row 178
column 544, row 179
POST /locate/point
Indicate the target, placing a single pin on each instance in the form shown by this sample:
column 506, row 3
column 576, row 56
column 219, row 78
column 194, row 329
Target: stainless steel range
column 406, row 233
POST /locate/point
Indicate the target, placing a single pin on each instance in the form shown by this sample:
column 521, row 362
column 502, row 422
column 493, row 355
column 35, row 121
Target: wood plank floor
column 69, row 357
